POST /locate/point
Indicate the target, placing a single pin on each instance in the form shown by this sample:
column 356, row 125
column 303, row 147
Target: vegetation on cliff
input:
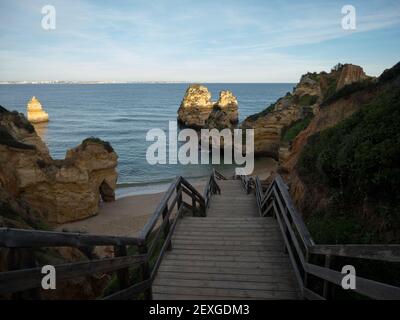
column 358, row 161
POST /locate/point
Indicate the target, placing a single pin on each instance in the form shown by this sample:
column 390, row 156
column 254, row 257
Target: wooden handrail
column 149, row 226
column 246, row 183
column 300, row 246
column 28, row 277
column 210, row 188
column 21, row 238
column 218, row 175
column 18, row 280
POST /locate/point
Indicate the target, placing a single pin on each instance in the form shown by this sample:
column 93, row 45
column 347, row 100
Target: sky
column 193, row 41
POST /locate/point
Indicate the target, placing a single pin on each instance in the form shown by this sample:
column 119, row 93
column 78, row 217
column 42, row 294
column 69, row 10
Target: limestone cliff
column 344, row 165
column 313, row 88
column 198, row 111
column 35, row 112
column 60, row 190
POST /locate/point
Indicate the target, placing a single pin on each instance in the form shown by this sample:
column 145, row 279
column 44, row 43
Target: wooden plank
column 265, row 247
column 233, row 219
column 16, row 238
column 370, row 288
column 148, row 227
column 311, row 295
column 13, row 281
column 296, row 218
column 372, row 252
column 261, row 294
column 283, row 278
column 209, row 257
column 232, row 252
column 227, row 242
column 166, row 244
column 290, row 252
column 222, row 284
column 131, row 292
column 276, row 272
column 168, row 296
column 228, row 236
column 228, row 264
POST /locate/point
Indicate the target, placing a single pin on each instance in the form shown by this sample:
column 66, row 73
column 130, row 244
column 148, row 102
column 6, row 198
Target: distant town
column 85, row 82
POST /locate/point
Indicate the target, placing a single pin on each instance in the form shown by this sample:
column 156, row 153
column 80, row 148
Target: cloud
column 175, row 40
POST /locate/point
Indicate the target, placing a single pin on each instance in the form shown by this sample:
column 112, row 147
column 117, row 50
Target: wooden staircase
column 249, row 243
column 233, row 253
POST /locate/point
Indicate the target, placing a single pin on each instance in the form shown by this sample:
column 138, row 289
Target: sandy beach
column 127, row 215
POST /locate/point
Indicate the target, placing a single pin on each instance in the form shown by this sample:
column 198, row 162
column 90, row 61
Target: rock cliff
column 342, row 168
column 59, row 190
column 198, row 111
column 313, row 88
column 35, row 112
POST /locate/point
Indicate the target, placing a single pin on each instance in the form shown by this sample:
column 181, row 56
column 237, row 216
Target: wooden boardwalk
column 233, row 253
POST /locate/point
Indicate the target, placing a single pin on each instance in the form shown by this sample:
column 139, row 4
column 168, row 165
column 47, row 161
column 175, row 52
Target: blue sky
column 204, row 41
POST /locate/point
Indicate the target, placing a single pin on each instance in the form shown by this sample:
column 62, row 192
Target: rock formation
column 198, row 111
column 228, row 103
column 330, row 115
column 35, row 113
column 60, row 190
column 349, row 74
column 196, row 106
column 313, row 88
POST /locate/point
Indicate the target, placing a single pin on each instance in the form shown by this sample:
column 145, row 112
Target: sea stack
column 196, row 106
column 198, row 111
column 35, row 112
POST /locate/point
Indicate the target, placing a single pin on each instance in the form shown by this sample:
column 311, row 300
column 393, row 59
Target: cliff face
column 60, row 190
column 270, row 124
column 344, row 165
column 198, row 111
column 35, row 112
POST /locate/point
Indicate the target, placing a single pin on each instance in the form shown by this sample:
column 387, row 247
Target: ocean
column 122, row 114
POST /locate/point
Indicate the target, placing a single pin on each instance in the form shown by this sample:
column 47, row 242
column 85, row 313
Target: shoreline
column 127, row 215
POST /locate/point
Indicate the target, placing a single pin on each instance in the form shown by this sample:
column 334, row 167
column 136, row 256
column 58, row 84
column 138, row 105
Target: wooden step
column 226, row 293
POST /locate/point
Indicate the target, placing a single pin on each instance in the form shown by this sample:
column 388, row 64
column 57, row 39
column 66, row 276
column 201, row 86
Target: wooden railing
column 304, row 253
column 149, row 247
column 219, row 175
column 247, row 183
column 212, row 187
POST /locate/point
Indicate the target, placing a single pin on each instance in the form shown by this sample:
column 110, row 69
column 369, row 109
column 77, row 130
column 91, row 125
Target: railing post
column 23, row 258
column 123, row 274
column 167, row 226
column 148, row 294
column 179, row 194
column 326, row 283
column 193, row 204
column 305, row 277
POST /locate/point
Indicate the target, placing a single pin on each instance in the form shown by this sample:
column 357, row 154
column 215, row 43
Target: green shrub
column 292, row 132
column 359, row 159
column 307, row 100
column 347, row 90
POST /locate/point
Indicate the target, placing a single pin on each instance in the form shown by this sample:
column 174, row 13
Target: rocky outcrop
column 311, row 197
column 198, row 111
column 196, row 106
column 60, row 190
column 349, row 74
column 313, row 88
column 228, row 103
column 35, row 112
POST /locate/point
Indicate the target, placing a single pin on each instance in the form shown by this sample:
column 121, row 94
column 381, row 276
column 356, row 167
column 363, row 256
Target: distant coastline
column 132, row 82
